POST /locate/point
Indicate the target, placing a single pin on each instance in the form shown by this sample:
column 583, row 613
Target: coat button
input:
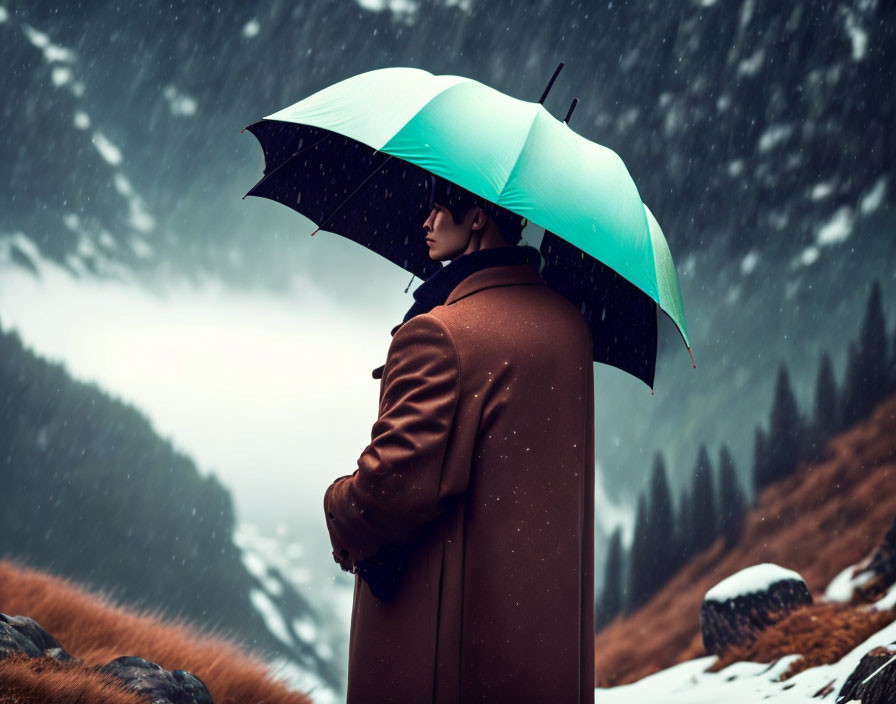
column 330, row 515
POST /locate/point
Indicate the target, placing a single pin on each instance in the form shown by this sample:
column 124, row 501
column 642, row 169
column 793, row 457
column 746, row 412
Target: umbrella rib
column 338, row 207
column 286, row 161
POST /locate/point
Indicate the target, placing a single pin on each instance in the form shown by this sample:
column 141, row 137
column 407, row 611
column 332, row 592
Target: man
column 469, row 521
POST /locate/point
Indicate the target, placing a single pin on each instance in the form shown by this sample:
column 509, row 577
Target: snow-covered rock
column 874, row 680
column 738, row 608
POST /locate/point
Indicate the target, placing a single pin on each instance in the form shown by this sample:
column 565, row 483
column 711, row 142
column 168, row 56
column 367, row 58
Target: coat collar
column 510, row 275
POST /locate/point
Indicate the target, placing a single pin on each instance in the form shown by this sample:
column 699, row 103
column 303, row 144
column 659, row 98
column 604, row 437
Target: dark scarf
column 434, row 291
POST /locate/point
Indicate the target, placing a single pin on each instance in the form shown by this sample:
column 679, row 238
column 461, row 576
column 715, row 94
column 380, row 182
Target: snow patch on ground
column 733, row 295
column 746, row 13
column 871, row 201
column 272, row 617
column 773, row 136
column 821, row 190
column 886, row 602
column 750, row 580
column 61, row 75
column 138, row 217
column 3, row 14
column 751, row 65
column 742, row 682
column 749, row 262
column 251, row 28
column 140, row 248
column 844, row 584
column 809, row 255
column 52, row 52
column 259, row 569
column 180, row 104
column 107, row 150
column 25, row 245
column 837, row 229
column 400, row 8
column 301, row 680
column 304, row 629
column 857, row 35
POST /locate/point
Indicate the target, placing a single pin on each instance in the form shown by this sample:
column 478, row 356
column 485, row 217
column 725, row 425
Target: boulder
column 160, row 686
column 739, row 607
column 23, row 635
column 874, row 679
column 883, row 560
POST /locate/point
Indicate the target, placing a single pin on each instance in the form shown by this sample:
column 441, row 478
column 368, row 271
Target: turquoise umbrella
column 383, row 123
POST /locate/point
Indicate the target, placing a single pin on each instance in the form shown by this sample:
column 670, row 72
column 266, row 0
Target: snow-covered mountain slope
column 824, row 517
column 748, row 682
column 305, row 608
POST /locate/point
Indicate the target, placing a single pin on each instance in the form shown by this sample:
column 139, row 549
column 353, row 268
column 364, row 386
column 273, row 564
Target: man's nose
column 427, row 224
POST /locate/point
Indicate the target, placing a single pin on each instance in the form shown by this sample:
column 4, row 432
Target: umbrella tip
column 692, row 358
column 550, row 83
column 651, row 391
column 315, row 232
column 575, row 101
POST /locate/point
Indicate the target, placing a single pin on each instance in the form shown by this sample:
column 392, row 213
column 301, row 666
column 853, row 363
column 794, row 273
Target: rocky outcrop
column 24, row 637
column 156, row 683
column 874, row 680
column 738, row 608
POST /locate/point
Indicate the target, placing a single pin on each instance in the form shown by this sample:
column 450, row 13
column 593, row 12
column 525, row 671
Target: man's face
column 445, row 239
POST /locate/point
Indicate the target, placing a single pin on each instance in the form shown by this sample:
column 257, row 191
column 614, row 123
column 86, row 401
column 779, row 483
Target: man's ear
column 480, row 219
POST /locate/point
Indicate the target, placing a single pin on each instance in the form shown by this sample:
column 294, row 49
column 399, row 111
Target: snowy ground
column 685, row 683
column 749, row 682
column 278, row 561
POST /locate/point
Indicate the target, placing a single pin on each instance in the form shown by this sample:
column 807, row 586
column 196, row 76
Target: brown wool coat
column 482, row 459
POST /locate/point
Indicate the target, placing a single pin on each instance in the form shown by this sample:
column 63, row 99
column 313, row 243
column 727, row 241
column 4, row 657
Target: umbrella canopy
column 355, row 157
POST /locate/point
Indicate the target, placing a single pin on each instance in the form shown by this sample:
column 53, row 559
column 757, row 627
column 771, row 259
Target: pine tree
column 639, row 559
column 704, row 524
column 869, row 379
column 684, row 539
column 661, row 536
column 891, row 384
column 785, row 433
column 760, row 463
column 824, row 420
column 732, row 505
column 873, row 348
column 847, row 412
column 609, row 603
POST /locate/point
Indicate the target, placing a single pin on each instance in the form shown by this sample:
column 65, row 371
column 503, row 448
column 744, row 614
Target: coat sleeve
column 396, row 488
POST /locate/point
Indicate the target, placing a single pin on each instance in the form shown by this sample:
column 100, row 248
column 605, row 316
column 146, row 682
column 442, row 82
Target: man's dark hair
column 459, row 200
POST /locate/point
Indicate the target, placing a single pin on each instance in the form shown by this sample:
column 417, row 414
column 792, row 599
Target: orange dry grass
column 823, row 518
column 89, row 627
column 821, row 633
column 24, row 680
